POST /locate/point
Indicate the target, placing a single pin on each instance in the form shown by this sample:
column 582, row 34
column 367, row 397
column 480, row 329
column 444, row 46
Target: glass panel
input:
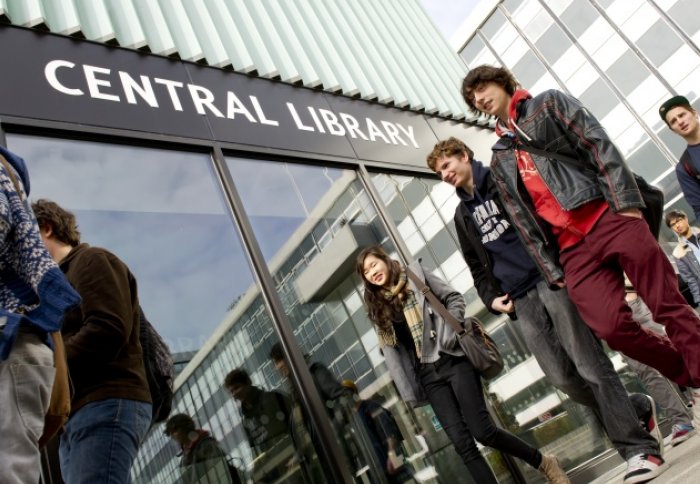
column 599, row 98
column 684, row 12
column 529, row 70
column 311, row 221
column 656, row 51
column 627, row 72
column 578, row 17
column 163, row 213
column 553, row 44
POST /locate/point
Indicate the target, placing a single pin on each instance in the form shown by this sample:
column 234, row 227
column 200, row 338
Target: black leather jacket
column 556, row 122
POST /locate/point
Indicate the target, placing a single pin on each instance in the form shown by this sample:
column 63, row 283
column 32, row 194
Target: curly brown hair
column 379, row 309
column 485, row 73
column 64, row 227
column 446, row 148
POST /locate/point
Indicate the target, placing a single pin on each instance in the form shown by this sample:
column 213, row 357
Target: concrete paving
column 683, row 466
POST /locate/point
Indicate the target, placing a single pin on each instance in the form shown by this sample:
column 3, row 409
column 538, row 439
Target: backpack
column 159, row 367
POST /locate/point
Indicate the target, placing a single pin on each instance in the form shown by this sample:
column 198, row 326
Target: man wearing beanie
column 682, row 118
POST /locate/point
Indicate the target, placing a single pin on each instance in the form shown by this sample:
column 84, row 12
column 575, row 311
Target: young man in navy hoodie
column 508, row 281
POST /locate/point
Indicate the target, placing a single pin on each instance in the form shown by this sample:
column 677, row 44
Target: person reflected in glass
column 202, row 460
column 266, row 416
column 428, row 365
column 337, row 400
column 384, row 436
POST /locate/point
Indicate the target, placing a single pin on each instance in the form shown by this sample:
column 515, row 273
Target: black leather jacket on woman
column 556, row 122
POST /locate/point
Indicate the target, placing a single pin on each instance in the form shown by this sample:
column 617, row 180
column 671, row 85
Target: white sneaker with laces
column 643, row 468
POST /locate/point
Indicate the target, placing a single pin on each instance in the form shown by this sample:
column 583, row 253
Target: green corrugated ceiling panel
column 396, row 37
column 61, row 16
column 444, row 67
column 230, row 36
column 314, row 37
column 344, row 46
column 293, row 33
column 28, row 13
column 279, row 51
column 200, row 18
column 375, row 42
column 443, row 58
column 155, row 27
column 181, row 29
column 126, row 23
column 368, row 57
column 95, row 21
column 252, row 39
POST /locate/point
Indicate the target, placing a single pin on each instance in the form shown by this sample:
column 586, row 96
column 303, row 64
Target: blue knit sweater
column 33, row 290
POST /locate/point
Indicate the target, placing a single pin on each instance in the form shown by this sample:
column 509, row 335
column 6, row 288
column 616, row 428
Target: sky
column 448, row 15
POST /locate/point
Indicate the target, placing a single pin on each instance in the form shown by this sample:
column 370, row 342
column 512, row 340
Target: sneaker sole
column 682, row 439
column 647, row 476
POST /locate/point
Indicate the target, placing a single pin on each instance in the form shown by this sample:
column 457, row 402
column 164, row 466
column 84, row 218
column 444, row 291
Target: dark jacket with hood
column 496, row 257
column 556, row 122
column 101, row 335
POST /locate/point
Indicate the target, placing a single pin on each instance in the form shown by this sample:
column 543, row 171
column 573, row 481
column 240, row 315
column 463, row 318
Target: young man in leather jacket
column 582, row 225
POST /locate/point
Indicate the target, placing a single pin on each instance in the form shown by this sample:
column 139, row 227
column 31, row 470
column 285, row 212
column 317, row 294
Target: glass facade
column 164, row 212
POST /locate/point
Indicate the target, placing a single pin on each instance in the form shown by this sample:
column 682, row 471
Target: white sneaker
column 643, row 468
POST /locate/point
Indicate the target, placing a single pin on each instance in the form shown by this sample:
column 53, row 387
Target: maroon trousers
column 595, row 281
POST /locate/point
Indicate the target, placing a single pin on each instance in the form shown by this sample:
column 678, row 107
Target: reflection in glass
column 162, row 212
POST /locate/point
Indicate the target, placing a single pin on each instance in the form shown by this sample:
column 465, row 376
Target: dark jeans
column 573, row 360
column 594, row 277
column 454, row 391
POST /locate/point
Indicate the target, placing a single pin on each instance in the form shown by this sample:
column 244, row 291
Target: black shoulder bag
column 478, row 346
column 653, row 197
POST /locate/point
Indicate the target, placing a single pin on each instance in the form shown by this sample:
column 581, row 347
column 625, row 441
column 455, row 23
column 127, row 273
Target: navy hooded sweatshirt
column 510, row 263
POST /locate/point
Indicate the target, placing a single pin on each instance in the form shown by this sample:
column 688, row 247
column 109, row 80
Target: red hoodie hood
column 519, row 96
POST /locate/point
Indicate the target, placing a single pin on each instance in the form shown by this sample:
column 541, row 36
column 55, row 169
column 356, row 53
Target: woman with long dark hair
column 427, row 364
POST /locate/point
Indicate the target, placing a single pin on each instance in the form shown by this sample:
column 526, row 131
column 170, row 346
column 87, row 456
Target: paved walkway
column 683, row 461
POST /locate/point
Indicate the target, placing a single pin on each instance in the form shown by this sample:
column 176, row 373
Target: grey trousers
column 663, row 391
column 574, row 361
column 26, row 379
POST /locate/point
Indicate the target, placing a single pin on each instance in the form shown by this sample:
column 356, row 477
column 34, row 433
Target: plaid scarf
column 411, row 311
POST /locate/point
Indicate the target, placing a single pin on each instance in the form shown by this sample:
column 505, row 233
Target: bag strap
column 547, row 154
column 688, row 166
column 435, row 302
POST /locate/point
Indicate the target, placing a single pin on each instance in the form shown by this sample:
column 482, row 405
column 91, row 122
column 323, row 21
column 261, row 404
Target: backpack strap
column 688, row 166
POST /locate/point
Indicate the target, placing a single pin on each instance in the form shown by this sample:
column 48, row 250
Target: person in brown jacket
column 111, row 408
